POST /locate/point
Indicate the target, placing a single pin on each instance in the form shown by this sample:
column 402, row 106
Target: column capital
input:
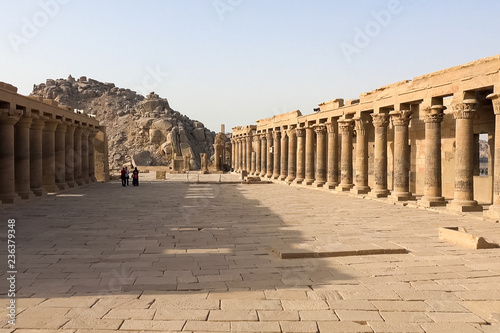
column 495, row 99
column 320, row 129
column 360, row 123
column 345, row 125
column 277, row 135
column 301, row 132
column 400, row 117
column 61, row 128
column 24, row 122
column 256, row 138
column 434, row 114
column 380, row 119
column 331, row 127
column 465, row 109
column 51, row 125
column 291, row 131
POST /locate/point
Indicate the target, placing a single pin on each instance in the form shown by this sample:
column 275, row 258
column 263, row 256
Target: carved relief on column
column 332, row 177
column 60, row 156
column 85, row 155
column 22, row 157
column 48, row 156
column 301, row 160
column 277, row 154
column 263, row 155
column 70, row 155
column 380, row 122
column 433, row 117
column 233, row 154
column 248, row 158
column 309, row 156
column 494, row 210
column 270, row 157
column 402, row 159
column 240, row 154
column 36, row 163
column 78, row 155
column 463, row 198
column 346, row 170
column 361, row 178
column 92, row 136
column 321, row 154
column 292, row 155
column 284, row 155
column 257, row 147
column 7, row 161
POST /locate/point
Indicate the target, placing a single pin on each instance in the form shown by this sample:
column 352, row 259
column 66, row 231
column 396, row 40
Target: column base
column 39, row 192
column 71, row 184
column 87, row 181
column 360, row 190
column 62, row 186
column 282, row 177
column 10, row 198
column 93, row 179
column 268, row 175
column 464, row 206
column 344, row 187
column 290, row 179
column 298, row 181
column 319, row 183
column 374, row 193
column 493, row 212
column 331, row 185
column 51, row 188
column 26, row 195
column 401, row 196
column 428, row 202
column 308, row 182
column 262, row 175
column 275, row 176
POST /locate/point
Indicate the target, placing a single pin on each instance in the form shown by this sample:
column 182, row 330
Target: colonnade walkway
column 196, row 257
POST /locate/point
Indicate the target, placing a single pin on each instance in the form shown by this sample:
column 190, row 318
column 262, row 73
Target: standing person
column 123, row 176
column 135, row 177
column 127, row 174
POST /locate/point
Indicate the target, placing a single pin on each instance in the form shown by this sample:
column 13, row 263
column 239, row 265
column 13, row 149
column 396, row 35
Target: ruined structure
column 411, row 139
column 46, row 147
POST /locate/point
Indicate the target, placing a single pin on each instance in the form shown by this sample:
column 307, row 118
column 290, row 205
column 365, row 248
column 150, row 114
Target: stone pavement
column 171, row 256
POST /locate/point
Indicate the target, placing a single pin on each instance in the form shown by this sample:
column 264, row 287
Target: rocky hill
column 141, row 130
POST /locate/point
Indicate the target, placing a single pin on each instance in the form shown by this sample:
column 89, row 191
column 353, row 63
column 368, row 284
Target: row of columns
column 291, row 155
column 40, row 155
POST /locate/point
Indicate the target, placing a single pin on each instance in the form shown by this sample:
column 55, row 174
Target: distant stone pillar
column 433, row 186
column 494, row 210
column 7, row 161
column 263, row 155
column 48, row 156
column 346, row 179
column 85, row 155
column 284, row 156
column 22, row 157
column 249, row 139
column 36, row 164
column 309, row 155
column 233, row 155
column 332, row 178
column 380, row 122
column 321, row 154
column 277, row 154
column 60, row 156
column 292, row 155
column 70, row 156
column 301, row 156
column 463, row 200
column 257, row 154
column 78, row 155
column 217, row 157
column 92, row 136
column 361, row 186
column 402, row 159
column 270, row 160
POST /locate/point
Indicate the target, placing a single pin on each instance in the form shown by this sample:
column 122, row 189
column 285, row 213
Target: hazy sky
column 236, row 61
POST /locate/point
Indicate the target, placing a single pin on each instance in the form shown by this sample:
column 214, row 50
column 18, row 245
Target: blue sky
column 236, row 61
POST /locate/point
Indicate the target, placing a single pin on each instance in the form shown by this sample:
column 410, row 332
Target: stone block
column 460, row 236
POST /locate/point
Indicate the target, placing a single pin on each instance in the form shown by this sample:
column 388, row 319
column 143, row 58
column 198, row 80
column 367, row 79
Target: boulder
column 142, row 159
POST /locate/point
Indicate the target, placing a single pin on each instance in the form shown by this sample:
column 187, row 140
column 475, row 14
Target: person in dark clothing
column 135, row 177
column 123, row 177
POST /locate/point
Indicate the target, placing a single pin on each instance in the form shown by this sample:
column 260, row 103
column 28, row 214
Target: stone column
column 402, row 159
column 257, row 154
column 332, row 177
column 292, row 155
column 48, row 156
column 309, row 156
column 263, row 155
column 217, row 157
column 284, row 156
column 301, row 156
column 241, row 140
column 85, row 155
column 463, row 198
column 433, row 187
column 380, row 122
column 70, row 156
column 92, row 136
column 494, row 210
column 361, row 179
column 78, row 155
column 36, row 164
column 237, row 155
column 270, row 160
column 7, row 161
column 346, row 179
column 248, row 164
column 277, row 154
column 60, row 156
column 321, row 154
column 233, row 154
column 22, row 157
